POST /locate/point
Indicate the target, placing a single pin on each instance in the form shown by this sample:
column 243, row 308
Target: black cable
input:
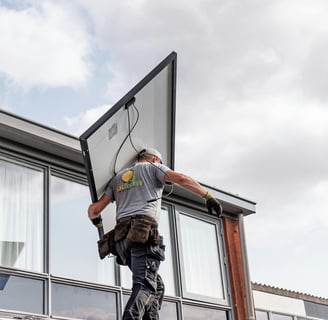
column 137, row 152
column 127, row 136
column 133, row 146
column 130, row 131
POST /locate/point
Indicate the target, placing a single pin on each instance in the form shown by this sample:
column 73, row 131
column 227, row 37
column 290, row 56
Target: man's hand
column 93, row 211
column 212, row 203
column 95, row 208
column 94, row 215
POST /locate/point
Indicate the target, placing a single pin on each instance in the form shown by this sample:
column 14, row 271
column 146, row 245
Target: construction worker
column 137, row 192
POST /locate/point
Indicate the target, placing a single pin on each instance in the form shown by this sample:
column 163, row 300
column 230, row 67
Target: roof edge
column 289, row 293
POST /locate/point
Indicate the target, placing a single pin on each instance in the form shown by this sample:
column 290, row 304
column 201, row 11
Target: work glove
column 97, row 221
column 212, row 203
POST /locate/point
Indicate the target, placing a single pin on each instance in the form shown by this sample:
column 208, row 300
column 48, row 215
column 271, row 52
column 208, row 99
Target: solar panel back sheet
column 144, row 117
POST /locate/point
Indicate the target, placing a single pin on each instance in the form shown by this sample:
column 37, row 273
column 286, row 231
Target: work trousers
column 147, row 285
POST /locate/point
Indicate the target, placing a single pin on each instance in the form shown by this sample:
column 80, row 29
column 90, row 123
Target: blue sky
column 251, row 101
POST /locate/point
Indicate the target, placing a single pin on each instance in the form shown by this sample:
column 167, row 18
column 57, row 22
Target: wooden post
column 235, row 266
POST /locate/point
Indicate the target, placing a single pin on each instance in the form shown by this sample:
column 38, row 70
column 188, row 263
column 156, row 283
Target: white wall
column 280, row 304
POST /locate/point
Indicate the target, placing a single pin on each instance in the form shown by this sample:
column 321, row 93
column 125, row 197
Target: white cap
column 152, row 152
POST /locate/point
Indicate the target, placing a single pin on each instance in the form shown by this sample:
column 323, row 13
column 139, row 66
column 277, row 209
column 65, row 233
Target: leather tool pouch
column 122, row 229
column 143, row 229
column 106, row 245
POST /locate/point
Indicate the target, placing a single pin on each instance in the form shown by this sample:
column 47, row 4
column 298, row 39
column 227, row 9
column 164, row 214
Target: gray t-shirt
column 138, row 190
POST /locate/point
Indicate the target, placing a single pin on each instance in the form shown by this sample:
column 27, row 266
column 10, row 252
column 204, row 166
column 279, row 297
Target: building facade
column 280, row 304
column 49, row 263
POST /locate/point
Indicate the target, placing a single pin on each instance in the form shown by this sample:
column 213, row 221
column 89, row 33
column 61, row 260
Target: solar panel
column 144, row 117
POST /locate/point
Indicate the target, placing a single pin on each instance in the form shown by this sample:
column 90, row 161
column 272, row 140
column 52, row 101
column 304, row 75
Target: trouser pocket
column 152, row 266
column 156, row 251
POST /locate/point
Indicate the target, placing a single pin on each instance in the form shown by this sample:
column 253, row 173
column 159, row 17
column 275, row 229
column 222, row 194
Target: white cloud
column 80, row 123
column 44, row 44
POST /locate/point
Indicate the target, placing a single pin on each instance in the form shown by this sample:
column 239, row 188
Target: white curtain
column 201, row 260
column 21, row 216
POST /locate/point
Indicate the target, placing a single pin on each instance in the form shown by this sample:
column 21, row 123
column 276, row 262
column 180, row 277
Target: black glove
column 97, row 221
column 212, row 203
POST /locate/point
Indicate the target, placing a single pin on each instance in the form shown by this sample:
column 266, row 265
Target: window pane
column 200, row 255
column 73, row 238
column 21, row 294
column 280, row 317
column 166, row 267
column 198, row 313
column 261, row 315
column 168, row 310
column 82, row 303
column 21, row 216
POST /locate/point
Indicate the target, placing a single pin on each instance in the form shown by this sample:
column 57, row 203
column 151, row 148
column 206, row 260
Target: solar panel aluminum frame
column 169, row 63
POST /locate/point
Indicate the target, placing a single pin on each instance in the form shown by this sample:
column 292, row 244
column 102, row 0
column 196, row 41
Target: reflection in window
column 261, row 315
column 73, row 238
column 82, row 303
column 166, row 267
column 200, row 254
column 198, row 313
column 21, row 216
column 21, row 294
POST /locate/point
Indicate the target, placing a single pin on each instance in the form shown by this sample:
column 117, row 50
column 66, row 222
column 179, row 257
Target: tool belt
column 137, row 228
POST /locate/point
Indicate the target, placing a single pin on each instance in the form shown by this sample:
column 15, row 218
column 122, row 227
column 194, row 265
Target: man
column 137, row 192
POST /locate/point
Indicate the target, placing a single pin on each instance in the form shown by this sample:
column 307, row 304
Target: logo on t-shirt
column 127, row 176
column 129, row 181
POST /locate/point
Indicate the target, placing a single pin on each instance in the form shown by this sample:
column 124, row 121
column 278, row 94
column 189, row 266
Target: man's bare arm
column 185, row 182
column 193, row 186
column 95, row 208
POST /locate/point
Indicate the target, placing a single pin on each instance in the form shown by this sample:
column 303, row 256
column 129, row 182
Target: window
column 21, row 216
column 21, row 294
column 275, row 316
column 166, row 269
column 83, row 303
column 199, row 313
column 202, row 275
column 168, row 311
column 73, row 238
column 261, row 315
